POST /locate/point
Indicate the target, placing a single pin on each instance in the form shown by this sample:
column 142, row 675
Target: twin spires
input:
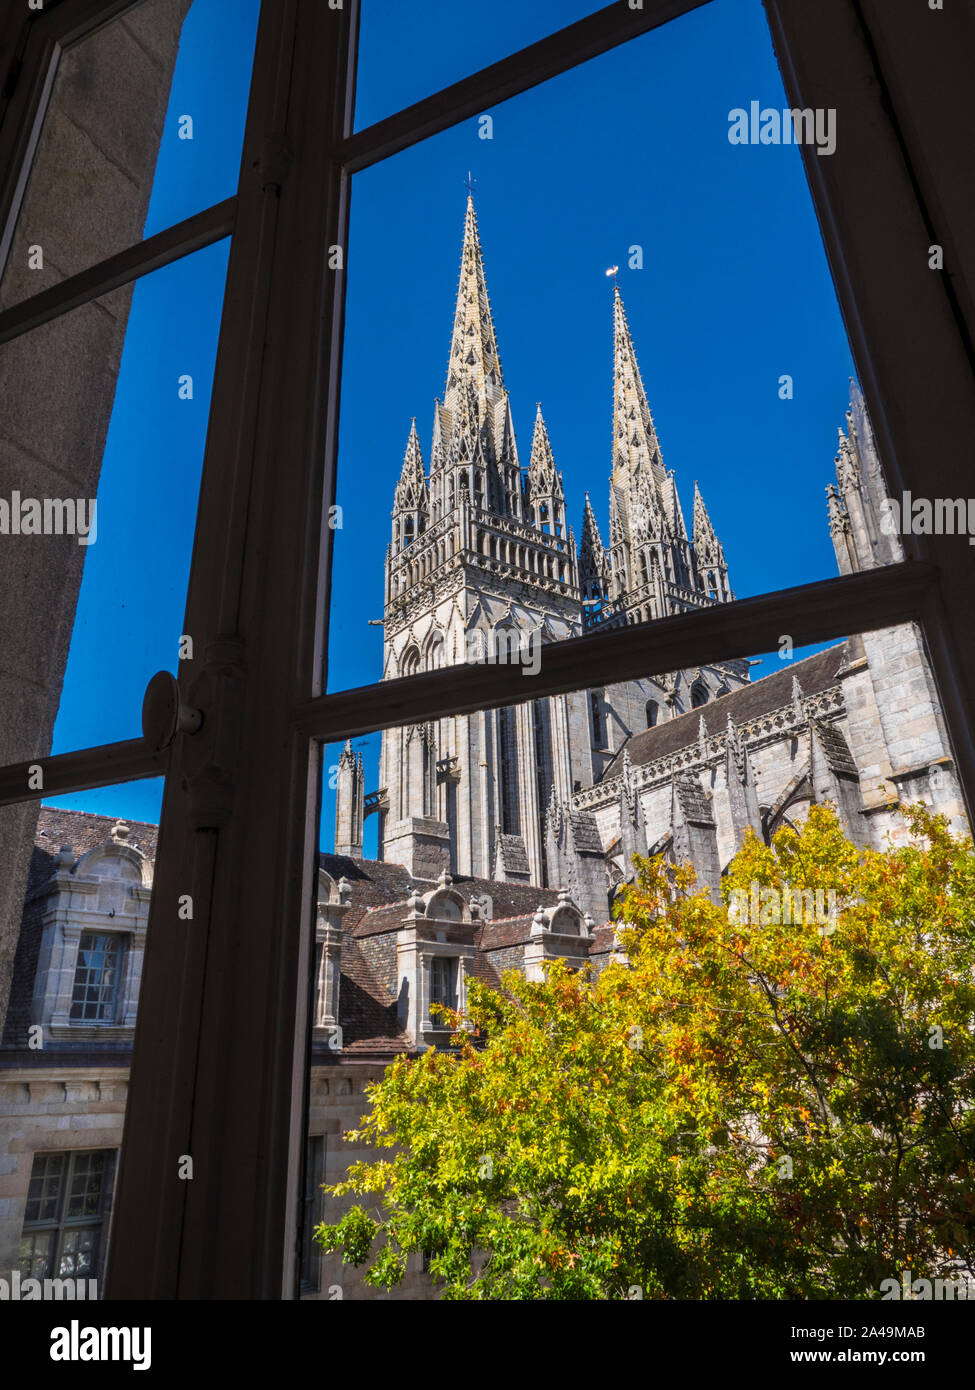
column 650, row 567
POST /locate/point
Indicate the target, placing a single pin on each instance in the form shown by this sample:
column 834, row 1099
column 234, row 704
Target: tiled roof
column 379, row 904
column 815, row 673
column 512, row 852
column 585, row 834
column 83, row 831
column 512, row 931
column 693, row 801
column 835, row 747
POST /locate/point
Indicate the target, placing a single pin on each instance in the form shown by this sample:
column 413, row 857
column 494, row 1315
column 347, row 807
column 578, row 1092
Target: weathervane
column 612, row 270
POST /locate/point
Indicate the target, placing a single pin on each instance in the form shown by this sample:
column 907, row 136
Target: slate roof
column 585, row 835
column 380, row 894
column 512, row 853
column 836, row 748
column 816, row 673
column 693, row 801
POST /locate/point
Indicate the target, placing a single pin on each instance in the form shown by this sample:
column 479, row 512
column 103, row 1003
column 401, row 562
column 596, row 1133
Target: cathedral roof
column 815, row 673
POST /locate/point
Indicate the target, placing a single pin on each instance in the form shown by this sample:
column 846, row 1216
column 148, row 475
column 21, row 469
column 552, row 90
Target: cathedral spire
column 473, row 343
column 544, row 496
column 411, row 490
column 635, row 445
column 410, row 500
column 712, row 568
column 592, row 564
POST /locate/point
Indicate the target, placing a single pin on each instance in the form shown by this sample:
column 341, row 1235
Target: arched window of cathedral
column 435, row 657
column 653, row 711
column 410, row 663
column 699, row 695
column 598, row 723
column 408, row 536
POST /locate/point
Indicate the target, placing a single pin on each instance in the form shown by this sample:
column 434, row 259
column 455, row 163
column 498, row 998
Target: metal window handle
column 164, row 715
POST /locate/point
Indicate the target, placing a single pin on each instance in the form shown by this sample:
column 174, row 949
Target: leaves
column 783, row 1126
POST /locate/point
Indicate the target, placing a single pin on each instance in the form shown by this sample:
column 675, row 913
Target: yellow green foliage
column 740, row 1110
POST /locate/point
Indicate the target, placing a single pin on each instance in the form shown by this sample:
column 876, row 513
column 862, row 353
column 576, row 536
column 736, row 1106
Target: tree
column 747, row 1106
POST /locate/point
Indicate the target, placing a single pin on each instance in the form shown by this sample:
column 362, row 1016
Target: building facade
column 505, row 835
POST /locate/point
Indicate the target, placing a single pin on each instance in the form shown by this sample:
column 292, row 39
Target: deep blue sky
column 630, row 149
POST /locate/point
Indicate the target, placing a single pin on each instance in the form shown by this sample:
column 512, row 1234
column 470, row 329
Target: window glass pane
column 79, row 1253
column 36, row 1254
column 101, row 450
column 79, row 885
column 516, row 857
column 45, row 1191
column 407, row 52
column 96, row 979
column 143, row 129
column 690, row 401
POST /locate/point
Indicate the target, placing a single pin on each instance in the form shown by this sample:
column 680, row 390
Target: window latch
column 164, row 715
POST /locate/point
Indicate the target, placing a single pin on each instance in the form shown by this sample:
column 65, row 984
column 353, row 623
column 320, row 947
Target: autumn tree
column 745, row 1106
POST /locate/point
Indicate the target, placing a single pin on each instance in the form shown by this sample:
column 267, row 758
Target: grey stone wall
column 87, row 197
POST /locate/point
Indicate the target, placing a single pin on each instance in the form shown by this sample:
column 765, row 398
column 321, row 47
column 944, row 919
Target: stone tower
column 482, row 566
column 896, row 729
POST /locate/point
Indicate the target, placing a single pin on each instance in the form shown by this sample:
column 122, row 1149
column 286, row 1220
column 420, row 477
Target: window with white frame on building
column 95, row 996
column 443, row 984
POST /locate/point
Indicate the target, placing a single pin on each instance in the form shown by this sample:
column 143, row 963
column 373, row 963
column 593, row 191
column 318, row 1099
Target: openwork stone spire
column 709, row 558
column 473, row 344
column 592, row 562
column 411, row 490
column 635, row 445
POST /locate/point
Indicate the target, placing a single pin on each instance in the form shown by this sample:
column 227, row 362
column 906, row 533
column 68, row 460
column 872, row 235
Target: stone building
column 562, row 791
column 505, row 835
column 483, row 566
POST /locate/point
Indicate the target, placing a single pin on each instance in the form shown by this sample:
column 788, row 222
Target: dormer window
column 94, row 998
column 443, row 985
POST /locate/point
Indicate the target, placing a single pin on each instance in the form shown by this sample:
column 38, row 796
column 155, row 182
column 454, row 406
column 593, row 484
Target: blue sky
column 630, row 149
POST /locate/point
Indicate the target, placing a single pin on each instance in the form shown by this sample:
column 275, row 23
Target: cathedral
column 504, row 836
column 563, row 790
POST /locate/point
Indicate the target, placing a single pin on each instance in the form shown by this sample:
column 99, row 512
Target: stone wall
column 87, row 197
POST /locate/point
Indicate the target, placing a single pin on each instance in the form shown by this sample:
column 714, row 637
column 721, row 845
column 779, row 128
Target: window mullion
column 810, row 613
column 171, row 244
column 576, row 43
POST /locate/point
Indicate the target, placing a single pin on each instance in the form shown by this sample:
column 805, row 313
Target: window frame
column 221, row 1053
column 61, row 1224
column 115, row 945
